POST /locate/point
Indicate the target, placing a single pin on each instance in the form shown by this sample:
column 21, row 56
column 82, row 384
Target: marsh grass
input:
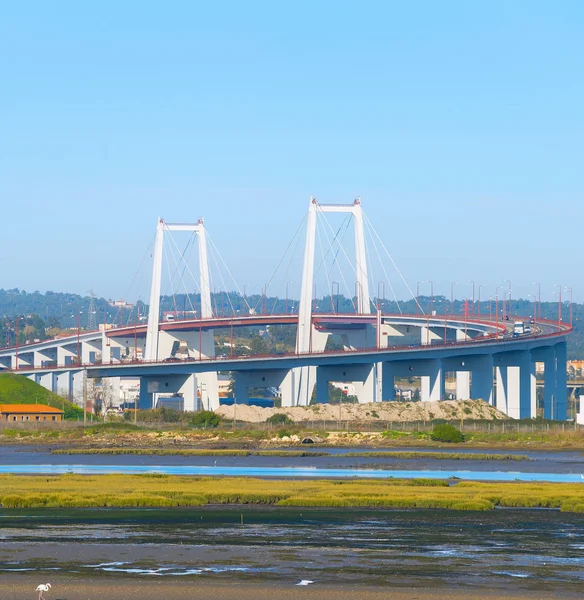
column 290, row 453
column 117, row 490
column 437, row 455
column 188, row 452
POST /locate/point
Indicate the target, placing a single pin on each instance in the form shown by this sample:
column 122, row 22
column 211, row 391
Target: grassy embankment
column 16, row 389
column 167, row 491
column 290, row 453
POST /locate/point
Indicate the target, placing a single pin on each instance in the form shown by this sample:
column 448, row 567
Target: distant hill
column 66, row 311
column 17, row 389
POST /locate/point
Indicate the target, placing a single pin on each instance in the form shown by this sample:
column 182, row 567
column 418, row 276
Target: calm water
column 519, row 549
column 294, row 472
column 543, row 466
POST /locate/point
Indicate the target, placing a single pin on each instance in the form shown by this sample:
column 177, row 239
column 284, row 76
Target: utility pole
column 84, row 398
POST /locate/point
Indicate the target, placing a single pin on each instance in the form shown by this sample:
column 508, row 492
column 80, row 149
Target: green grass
column 17, row 389
column 168, row 490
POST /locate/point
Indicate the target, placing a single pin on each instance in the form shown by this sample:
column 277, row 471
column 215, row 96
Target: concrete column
column 549, row 383
column 65, row 384
column 25, row 359
column 388, row 381
column 322, row 381
column 78, row 378
column 432, row 388
column 365, row 388
column 428, row 335
column 377, row 382
column 461, row 335
column 580, row 414
column 48, row 381
column 501, row 395
column 560, row 405
column 514, row 384
column 241, row 389
column 532, row 390
column 65, row 356
column 189, row 392
column 146, row 398
column 463, row 385
column 482, row 378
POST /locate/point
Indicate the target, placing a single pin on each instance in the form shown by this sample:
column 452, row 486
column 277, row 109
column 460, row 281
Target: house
column 10, row 413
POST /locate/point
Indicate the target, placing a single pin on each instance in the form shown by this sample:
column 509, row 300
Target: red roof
column 29, row 409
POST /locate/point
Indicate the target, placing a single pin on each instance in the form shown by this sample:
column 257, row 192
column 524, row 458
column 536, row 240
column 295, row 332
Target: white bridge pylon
column 159, row 343
column 299, row 384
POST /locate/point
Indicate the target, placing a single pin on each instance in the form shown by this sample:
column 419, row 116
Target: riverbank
column 509, row 436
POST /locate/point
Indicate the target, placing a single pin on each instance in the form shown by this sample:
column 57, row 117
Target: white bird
column 43, row 587
column 305, row 582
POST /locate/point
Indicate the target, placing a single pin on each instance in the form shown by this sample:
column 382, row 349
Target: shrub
column 279, row 419
column 205, row 419
column 447, row 433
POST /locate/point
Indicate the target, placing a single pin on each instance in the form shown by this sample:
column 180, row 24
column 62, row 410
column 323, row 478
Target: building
column 10, row 413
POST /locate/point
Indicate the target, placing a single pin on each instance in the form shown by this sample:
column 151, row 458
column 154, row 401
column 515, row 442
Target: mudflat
column 22, row 587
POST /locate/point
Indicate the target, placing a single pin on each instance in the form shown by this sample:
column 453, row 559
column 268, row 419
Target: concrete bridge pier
column 261, row 379
column 432, row 385
column 42, row 357
column 474, row 376
column 363, row 377
column 77, row 386
column 201, row 345
column 481, row 377
column 561, row 406
column 514, row 372
column 25, row 359
column 48, row 381
column 298, row 386
column 430, row 334
column 64, row 384
column 186, row 385
column 430, row 371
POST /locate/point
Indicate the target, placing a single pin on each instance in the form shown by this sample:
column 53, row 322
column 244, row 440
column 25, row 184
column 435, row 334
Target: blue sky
column 458, row 123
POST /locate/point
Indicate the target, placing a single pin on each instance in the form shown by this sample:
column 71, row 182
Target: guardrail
column 496, row 337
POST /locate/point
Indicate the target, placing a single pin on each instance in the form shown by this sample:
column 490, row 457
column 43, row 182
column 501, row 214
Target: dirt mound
column 379, row 411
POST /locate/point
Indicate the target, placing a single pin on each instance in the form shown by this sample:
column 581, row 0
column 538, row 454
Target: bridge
column 491, row 361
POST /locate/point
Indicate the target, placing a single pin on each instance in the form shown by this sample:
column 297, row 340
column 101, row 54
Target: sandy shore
column 22, row 587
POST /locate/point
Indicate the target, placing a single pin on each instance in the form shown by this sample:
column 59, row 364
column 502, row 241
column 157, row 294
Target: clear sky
column 460, row 124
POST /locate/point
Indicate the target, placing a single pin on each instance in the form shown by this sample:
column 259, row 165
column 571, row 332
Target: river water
column 518, row 549
column 541, row 466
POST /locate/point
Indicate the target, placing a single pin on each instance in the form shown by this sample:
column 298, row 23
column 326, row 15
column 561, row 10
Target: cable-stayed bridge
column 172, row 355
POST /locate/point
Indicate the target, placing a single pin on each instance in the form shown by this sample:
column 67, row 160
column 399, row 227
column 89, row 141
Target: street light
column 335, row 305
column 538, row 298
column 473, row 294
column 380, row 305
column 16, row 321
column 452, row 296
column 569, row 290
column 481, row 285
column 508, row 281
column 559, row 302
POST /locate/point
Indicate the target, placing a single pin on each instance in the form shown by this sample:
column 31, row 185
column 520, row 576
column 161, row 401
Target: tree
column 205, row 419
column 444, row 432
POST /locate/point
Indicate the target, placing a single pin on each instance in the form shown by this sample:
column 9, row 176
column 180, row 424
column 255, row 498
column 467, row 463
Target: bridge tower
column 298, row 388
column 159, row 343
